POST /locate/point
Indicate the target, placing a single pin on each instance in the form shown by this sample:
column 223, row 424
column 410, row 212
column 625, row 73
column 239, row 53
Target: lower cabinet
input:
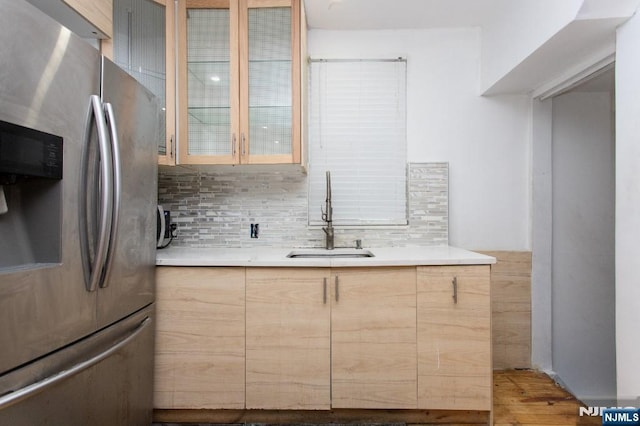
column 454, row 338
column 320, row 338
column 200, row 337
column 373, row 338
column 288, row 339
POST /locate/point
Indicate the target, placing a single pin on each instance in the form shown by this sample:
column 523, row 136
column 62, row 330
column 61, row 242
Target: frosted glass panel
column 271, row 129
column 139, row 47
column 270, row 34
column 208, row 81
column 270, row 67
column 208, row 35
column 270, row 83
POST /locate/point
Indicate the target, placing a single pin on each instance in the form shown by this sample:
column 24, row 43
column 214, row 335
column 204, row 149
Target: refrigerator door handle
column 40, row 386
column 93, row 268
column 117, row 192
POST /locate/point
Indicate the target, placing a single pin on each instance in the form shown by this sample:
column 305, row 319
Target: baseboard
column 343, row 416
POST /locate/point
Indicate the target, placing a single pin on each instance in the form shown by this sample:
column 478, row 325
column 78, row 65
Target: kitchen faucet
column 327, row 216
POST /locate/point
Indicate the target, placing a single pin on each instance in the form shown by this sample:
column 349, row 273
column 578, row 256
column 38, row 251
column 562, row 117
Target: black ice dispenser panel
column 30, row 196
column 27, row 152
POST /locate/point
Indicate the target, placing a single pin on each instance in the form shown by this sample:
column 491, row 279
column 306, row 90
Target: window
column 357, row 131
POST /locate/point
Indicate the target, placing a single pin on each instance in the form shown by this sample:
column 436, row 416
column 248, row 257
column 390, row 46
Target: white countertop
column 273, row 256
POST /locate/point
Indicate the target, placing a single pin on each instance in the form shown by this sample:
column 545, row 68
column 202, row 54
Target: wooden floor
column 532, row 398
column 520, row 397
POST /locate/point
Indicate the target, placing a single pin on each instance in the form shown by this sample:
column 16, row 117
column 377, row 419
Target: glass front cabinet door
column 143, row 45
column 239, row 81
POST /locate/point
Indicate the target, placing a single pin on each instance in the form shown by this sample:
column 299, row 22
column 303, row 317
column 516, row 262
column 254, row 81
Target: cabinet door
column 288, row 344
column 373, row 338
column 270, row 81
column 454, row 338
column 199, row 338
column 208, row 80
column 143, row 45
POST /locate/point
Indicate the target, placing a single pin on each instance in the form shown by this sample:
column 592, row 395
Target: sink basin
column 323, row 253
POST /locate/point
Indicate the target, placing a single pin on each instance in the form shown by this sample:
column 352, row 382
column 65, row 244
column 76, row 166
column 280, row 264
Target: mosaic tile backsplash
column 216, row 209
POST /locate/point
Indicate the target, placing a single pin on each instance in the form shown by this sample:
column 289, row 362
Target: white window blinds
column 357, row 130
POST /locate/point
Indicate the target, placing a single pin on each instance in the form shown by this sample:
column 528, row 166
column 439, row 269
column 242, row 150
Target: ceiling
column 569, row 46
column 399, row 14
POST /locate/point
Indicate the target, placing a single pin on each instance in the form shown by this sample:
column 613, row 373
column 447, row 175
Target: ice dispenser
column 30, row 196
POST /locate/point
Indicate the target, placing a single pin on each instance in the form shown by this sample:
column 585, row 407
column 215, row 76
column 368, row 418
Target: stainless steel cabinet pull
column 244, row 145
column 455, row 289
column 337, row 289
column 171, row 147
column 233, row 144
column 324, row 291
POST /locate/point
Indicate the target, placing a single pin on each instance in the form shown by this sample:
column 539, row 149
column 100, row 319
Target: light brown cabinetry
column 288, row 339
column 454, row 337
column 167, row 148
column 200, row 338
column 239, row 79
column 320, row 338
column 373, row 338
column 284, row 338
column 98, row 13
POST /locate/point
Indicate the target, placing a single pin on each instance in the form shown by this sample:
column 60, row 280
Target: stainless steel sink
column 324, row 253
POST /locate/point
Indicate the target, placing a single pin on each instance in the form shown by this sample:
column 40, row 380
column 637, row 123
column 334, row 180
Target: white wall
column 583, row 278
column 518, row 31
column 542, row 223
column 603, row 9
column 628, row 209
column 485, row 140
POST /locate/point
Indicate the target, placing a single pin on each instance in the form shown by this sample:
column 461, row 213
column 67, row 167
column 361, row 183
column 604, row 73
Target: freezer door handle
column 35, row 388
column 117, row 192
column 93, row 268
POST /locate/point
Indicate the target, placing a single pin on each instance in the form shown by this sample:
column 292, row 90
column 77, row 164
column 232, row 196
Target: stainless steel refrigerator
column 77, row 252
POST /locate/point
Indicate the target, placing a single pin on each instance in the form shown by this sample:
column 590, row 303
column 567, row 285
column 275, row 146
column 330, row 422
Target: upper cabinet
column 143, row 45
column 98, row 13
column 87, row 18
column 239, row 81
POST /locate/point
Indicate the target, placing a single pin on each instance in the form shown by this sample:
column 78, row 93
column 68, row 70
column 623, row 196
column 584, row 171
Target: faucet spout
column 327, row 216
column 329, row 237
